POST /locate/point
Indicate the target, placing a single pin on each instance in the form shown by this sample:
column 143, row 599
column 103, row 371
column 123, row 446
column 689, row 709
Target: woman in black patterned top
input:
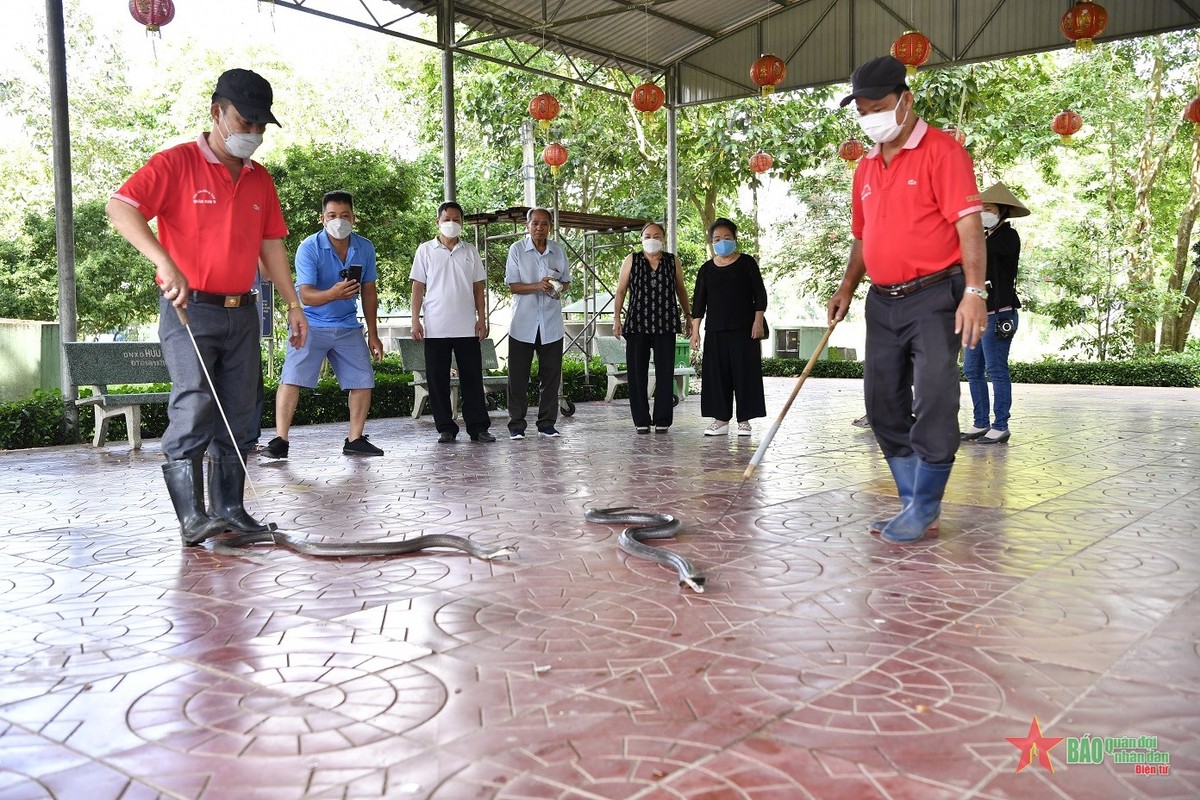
column 731, row 293
column 654, row 281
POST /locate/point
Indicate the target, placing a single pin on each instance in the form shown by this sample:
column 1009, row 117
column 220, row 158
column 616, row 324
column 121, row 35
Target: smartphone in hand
column 352, row 273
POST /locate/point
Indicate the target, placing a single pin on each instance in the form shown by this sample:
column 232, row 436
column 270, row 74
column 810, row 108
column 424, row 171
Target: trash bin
column 683, row 358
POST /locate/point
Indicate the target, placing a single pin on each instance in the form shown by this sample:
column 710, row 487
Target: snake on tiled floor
column 645, row 525
column 377, row 548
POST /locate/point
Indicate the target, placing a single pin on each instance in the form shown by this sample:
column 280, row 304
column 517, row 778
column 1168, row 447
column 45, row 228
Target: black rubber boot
column 185, row 484
column 226, row 490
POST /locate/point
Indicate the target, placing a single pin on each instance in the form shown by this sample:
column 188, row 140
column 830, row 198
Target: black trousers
column 520, row 363
column 911, row 378
column 638, row 349
column 467, row 355
column 228, row 340
column 732, row 367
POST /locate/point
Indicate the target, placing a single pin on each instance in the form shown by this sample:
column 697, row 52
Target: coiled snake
column 384, row 548
column 645, row 525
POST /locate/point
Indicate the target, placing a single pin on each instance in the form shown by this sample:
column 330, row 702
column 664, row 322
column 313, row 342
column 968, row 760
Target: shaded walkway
column 820, row 662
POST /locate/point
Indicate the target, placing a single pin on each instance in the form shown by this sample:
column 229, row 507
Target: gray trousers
column 520, row 363
column 911, row 377
column 228, row 339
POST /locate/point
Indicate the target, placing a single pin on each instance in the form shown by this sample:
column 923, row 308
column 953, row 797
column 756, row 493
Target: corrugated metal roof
column 712, row 43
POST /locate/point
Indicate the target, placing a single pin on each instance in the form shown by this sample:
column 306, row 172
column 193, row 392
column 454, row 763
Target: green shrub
column 36, row 422
column 1176, row 370
column 41, row 420
column 792, row 367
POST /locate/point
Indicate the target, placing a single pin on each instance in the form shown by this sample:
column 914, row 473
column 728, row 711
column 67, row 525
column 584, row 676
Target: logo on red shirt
column 203, row 197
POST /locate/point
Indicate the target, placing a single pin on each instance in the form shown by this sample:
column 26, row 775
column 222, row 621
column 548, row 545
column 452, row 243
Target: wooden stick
column 766, row 440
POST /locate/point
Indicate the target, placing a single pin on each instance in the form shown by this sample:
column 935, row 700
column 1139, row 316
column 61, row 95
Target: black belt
column 226, row 300
column 912, row 287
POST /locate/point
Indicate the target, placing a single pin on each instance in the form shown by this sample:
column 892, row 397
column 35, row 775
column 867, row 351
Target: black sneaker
column 276, row 448
column 483, row 436
column 447, row 437
column 360, row 447
column 516, row 433
column 549, row 432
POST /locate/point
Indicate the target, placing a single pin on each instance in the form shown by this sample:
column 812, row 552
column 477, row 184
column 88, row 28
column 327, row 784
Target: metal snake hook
column 183, row 318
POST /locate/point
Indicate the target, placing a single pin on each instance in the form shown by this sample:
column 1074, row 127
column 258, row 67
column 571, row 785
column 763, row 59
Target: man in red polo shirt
column 918, row 237
column 218, row 216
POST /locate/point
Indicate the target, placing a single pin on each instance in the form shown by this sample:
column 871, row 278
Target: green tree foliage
column 386, row 193
column 115, row 288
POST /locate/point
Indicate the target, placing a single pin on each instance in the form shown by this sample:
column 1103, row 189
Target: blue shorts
column 348, row 354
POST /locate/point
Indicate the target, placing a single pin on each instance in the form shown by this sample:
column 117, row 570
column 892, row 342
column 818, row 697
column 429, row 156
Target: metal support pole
column 672, row 161
column 528, row 171
column 64, row 210
column 446, row 42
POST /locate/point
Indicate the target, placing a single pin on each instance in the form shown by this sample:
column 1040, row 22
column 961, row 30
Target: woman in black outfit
column 991, row 355
column 731, row 297
column 654, row 280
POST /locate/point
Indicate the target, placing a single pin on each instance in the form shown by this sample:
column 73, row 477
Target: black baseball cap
column 876, row 79
column 250, row 94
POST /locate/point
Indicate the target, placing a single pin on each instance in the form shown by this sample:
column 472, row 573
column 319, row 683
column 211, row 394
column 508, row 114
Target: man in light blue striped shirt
column 537, row 272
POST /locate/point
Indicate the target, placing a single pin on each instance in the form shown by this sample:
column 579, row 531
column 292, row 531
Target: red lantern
column 1066, row 124
column 1192, row 114
column 768, row 72
column 555, row 155
column 760, row 162
column 1084, row 22
column 152, row 13
column 956, row 134
column 648, row 98
column 912, row 49
column 851, row 151
column 544, row 108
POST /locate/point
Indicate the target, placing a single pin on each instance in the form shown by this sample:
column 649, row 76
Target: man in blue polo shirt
column 333, row 267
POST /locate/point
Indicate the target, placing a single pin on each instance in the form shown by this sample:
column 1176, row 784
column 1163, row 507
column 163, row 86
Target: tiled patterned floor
column 820, row 662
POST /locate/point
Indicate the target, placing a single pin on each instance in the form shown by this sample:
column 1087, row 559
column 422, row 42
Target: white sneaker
column 743, row 429
column 717, row 428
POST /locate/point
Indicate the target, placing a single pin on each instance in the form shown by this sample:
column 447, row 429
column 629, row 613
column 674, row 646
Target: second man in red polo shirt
column 917, row 235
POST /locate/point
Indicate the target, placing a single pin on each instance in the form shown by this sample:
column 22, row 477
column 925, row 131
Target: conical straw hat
column 999, row 194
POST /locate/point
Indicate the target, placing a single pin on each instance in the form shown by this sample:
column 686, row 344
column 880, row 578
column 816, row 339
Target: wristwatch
column 973, row 290
column 294, row 304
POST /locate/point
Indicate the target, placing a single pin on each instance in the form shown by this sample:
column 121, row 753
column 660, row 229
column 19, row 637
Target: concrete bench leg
column 419, row 395
column 101, row 427
column 133, row 422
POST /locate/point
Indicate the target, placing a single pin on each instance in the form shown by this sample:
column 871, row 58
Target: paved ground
column 820, row 662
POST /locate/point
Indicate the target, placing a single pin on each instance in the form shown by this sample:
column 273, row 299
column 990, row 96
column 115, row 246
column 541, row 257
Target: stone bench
column 101, row 364
column 612, row 355
column 412, row 356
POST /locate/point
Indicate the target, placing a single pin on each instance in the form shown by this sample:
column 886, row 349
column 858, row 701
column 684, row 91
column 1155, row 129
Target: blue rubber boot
column 926, row 506
column 904, row 472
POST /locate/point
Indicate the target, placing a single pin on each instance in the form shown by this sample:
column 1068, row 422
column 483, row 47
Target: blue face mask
column 724, row 247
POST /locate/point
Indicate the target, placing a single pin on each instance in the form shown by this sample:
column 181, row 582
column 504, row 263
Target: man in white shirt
column 448, row 282
column 537, row 273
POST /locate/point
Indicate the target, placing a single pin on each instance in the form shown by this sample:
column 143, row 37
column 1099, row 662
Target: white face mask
column 652, row 246
column 450, row 230
column 881, row 126
column 241, row 145
column 990, row 220
column 338, row 228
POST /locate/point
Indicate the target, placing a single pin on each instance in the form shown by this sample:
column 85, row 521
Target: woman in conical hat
column 991, row 356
